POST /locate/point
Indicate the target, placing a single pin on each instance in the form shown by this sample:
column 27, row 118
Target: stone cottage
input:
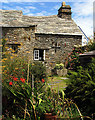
column 46, row 38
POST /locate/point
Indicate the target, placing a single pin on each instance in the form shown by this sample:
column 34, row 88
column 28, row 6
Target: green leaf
column 89, row 76
column 40, row 100
column 63, row 94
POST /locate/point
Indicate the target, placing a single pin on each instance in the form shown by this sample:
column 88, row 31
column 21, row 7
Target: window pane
column 36, row 54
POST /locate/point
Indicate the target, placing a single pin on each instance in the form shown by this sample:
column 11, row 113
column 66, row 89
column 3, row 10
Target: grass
column 57, row 83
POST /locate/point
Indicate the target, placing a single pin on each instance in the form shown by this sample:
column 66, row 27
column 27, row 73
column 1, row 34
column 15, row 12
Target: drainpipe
column 84, row 34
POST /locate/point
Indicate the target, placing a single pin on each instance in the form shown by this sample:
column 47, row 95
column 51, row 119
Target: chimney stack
column 64, row 11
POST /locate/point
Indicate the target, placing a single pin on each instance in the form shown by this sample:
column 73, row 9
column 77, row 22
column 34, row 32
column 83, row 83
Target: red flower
column 23, row 80
column 73, row 48
column 77, row 52
column 80, row 53
column 43, row 80
column 69, row 53
column 14, row 78
column 22, row 72
column 70, row 60
column 10, row 83
column 65, row 44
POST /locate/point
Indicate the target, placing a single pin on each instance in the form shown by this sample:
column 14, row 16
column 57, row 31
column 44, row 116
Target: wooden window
column 39, row 54
column 36, row 54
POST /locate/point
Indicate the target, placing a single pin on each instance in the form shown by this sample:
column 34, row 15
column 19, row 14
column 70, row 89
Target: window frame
column 35, row 54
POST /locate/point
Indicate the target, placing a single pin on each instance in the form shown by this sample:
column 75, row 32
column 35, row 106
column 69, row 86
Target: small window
column 39, row 54
column 36, row 54
column 14, row 47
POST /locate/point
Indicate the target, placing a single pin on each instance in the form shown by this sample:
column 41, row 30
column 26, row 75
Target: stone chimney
column 64, row 11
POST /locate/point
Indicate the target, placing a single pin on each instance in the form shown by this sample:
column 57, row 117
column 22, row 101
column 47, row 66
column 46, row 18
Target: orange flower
column 10, row 83
column 43, row 80
column 14, row 78
column 23, row 80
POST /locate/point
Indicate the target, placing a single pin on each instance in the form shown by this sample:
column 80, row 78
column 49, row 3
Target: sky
column 82, row 12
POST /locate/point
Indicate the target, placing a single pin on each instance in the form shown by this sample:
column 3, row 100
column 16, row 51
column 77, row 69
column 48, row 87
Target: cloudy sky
column 82, row 12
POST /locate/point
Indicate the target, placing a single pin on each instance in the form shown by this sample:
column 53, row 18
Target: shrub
column 59, row 66
column 91, row 46
column 72, row 60
column 38, row 70
column 81, row 88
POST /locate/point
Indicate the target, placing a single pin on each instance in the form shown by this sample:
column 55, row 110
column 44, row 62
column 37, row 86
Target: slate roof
column 12, row 18
column 45, row 24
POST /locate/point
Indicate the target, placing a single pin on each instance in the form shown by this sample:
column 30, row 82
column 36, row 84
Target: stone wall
column 23, row 36
column 57, row 47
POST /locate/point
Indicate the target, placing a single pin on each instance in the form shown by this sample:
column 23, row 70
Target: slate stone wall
column 57, row 47
column 23, row 36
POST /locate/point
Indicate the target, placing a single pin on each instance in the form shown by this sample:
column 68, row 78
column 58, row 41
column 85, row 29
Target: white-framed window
column 36, row 54
column 39, row 54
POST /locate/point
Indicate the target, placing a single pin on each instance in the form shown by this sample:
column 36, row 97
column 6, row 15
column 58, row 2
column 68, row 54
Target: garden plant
column 81, row 82
column 26, row 94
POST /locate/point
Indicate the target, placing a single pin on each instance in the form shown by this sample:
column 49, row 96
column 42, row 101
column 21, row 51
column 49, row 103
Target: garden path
column 58, row 83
